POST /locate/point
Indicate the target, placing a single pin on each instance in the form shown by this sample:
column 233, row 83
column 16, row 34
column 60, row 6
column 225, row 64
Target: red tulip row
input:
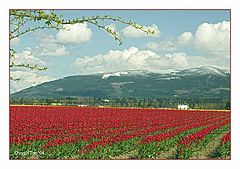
column 200, row 135
column 172, row 133
column 114, row 135
column 147, row 139
column 120, row 134
column 58, row 125
column 226, row 138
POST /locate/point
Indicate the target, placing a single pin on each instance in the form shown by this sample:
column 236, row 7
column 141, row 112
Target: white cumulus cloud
column 185, row 39
column 26, row 79
column 170, row 61
column 58, row 51
column 214, row 38
column 129, row 59
column 76, row 33
column 27, row 57
column 132, row 32
column 168, row 45
column 210, row 38
column 172, row 44
column 27, row 76
column 48, row 46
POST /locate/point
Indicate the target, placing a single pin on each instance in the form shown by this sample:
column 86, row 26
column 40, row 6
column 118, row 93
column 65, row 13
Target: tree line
column 193, row 103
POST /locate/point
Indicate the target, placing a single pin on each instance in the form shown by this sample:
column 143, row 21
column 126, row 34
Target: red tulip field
column 58, row 132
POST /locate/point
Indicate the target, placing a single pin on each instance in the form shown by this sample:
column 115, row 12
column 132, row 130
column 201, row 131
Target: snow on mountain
column 172, row 74
column 168, row 78
column 206, row 70
column 106, row 76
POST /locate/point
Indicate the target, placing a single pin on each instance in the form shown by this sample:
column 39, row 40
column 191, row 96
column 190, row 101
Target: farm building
column 183, row 106
column 105, row 100
column 82, row 105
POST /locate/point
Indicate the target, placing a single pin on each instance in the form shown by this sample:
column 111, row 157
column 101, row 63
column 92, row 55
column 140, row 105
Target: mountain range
column 200, row 82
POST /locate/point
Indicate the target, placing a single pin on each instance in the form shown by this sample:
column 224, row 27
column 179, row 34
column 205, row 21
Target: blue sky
column 185, row 38
column 171, row 23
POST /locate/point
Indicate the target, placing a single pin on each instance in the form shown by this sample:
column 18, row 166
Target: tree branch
column 19, row 19
column 22, row 65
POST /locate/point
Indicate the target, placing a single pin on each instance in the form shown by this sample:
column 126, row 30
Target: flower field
column 57, row 132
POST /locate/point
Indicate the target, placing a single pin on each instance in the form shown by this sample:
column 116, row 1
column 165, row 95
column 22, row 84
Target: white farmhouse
column 82, row 105
column 183, row 106
column 105, row 100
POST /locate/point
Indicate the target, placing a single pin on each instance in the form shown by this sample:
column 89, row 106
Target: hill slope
column 202, row 82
